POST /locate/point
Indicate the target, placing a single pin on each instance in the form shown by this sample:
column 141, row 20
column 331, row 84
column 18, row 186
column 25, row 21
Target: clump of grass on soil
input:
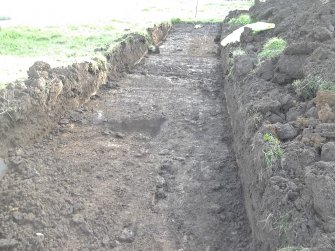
column 273, row 48
column 238, row 52
column 308, row 87
column 242, row 19
column 191, row 21
column 274, row 152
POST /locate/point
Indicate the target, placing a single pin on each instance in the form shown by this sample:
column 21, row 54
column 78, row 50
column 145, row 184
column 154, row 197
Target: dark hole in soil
column 151, row 126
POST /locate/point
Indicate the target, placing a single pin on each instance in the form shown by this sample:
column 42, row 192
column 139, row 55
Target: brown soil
column 147, row 164
column 290, row 203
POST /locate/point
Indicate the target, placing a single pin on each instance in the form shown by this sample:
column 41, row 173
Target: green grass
column 274, row 151
column 2, row 86
column 192, row 21
column 69, row 41
column 308, row 87
column 238, row 52
column 242, row 19
column 273, row 48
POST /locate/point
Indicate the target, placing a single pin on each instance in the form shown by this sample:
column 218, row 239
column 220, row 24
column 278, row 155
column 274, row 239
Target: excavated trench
column 148, row 164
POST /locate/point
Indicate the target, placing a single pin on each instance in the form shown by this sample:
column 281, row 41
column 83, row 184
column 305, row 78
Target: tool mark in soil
column 147, row 166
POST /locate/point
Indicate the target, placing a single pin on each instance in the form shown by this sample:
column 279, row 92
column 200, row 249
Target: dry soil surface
column 146, row 165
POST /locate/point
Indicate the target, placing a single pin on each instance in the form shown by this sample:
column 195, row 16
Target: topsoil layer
column 146, row 165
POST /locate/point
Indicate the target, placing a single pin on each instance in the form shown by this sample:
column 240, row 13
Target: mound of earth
column 284, row 138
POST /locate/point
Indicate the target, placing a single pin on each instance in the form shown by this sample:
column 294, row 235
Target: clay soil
column 147, row 164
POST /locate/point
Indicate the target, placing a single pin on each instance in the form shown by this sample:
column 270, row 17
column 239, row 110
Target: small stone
column 164, row 152
column 154, row 49
column 106, row 133
column 119, row 135
column 178, row 158
column 30, row 217
column 112, row 85
column 77, row 219
column 328, row 152
column 127, row 235
column 292, row 114
column 160, row 193
column 40, row 235
column 139, row 154
column 105, row 241
column 15, row 161
column 78, row 206
column 286, row 131
column 85, row 228
column 18, row 216
column 31, row 172
column 3, row 168
column 64, row 122
column 160, row 181
column 166, row 168
column 292, row 195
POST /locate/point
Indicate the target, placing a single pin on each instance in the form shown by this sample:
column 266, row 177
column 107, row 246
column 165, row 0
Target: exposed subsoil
column 289, row 199
column 146, row 165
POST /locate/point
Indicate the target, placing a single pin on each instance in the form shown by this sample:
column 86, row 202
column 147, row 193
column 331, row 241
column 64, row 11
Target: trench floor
column 146, row 165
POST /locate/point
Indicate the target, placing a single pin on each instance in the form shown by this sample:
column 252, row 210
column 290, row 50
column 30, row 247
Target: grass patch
column 71, row 41
column 238, row 52
column 273, row 48
column 308, row 87
column 176, row 20
column 274, row 151
column 242, row 19
column 2, row 86
column 192, row 21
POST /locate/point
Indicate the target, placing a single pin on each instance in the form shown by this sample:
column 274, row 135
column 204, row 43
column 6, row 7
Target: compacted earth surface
column 147, row 164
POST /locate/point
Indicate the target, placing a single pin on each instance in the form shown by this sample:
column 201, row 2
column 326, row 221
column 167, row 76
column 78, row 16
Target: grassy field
column 64, row 32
